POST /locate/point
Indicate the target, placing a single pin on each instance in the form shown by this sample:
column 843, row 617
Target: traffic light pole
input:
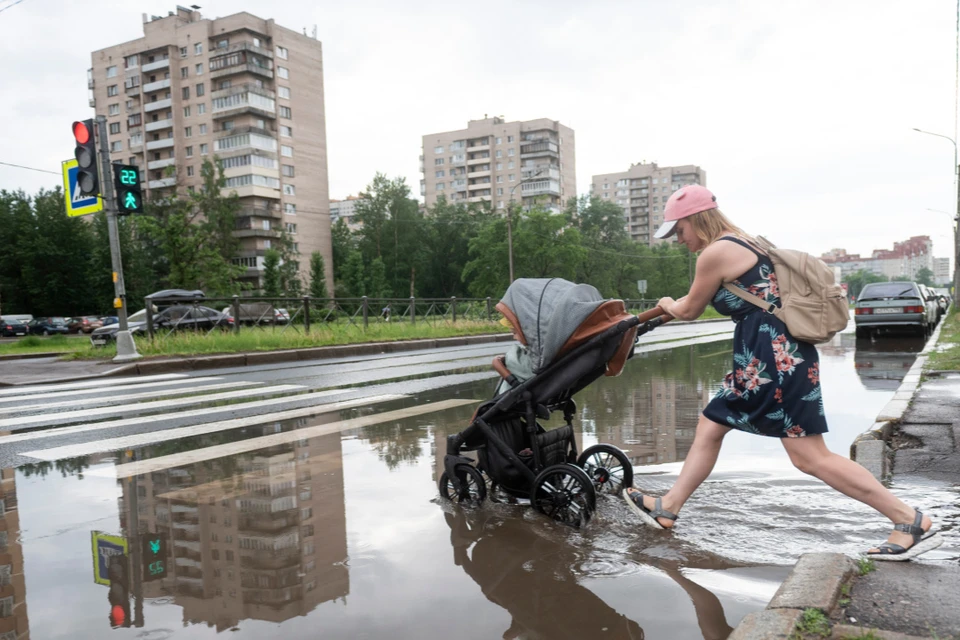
column 126, row 349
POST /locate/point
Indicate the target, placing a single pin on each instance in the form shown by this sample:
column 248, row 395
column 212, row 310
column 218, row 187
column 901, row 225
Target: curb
column 814, row 583
column 25, row 356
column 870, row 448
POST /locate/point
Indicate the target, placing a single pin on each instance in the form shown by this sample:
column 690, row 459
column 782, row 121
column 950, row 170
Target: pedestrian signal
column 126, row 179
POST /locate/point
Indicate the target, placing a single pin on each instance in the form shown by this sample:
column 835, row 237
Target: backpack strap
column 769, row 307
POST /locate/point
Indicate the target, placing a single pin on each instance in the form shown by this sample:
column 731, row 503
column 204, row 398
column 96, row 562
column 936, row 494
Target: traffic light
column 119, row 596
column 88, row 177
column 153, row 551
column 126, row 178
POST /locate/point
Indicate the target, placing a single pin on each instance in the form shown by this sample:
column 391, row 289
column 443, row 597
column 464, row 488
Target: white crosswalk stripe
column 98, row 391
column 87, row 384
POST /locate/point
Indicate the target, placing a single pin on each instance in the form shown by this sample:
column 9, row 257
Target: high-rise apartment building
column 530, row 162
column 347, row 210
column 642, row 191
column 240, row 88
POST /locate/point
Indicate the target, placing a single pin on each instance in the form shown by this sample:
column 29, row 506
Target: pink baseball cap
column 684, row 202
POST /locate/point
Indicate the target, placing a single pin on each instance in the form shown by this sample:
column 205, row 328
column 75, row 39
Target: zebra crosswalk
column 56, row 422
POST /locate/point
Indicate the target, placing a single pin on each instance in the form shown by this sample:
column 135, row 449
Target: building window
column 185, row 93
column 112, row 90
column 499, row 191
column 227, row 125
column 509, row 139
column 439, row 186
column 190, row 152
column 437, row 162
column 287, row 171
column 198, row 49
column 510, row 151
column 223, row 44
column 499, row 153
column 201, row 108
column 283, row 72
column 183, row 52
column 285, row 112
column 439, row 174
column 186, row 112
column 499, row 178
column 113, row 109
column 282, row 52
column 290, row 208
column 500, row 204
column 291, row 227
column 204, row 149
column 289, row 190
column 286, row 151
column 184, row 72
column 189, row 171
column 131, row 61
column 510, row 165
column 112, row 71
column 6, row 607
column 187, row 132
column 283, row 92
column 499, row 140
column 437, row 150
column 116, row 145
column 198, row 70
column 203, row 129
column 114, row 128
column 286, row 131
column 199, row 89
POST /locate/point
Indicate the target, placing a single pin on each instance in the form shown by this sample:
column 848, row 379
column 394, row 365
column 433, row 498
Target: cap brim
column 666, row 230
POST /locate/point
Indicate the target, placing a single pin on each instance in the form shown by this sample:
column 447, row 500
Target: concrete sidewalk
column 914, row 438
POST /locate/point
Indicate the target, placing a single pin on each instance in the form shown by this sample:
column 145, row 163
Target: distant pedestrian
column 385, row 313
column 774, row 388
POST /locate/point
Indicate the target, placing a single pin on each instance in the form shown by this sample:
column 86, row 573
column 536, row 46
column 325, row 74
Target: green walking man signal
column 126, row 178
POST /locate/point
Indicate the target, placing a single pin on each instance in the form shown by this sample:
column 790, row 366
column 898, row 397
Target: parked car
column 11, row 327
column 48, row 326
column 254, row 313
column 109, row 320
column 84, row 324
column 177, row 318
column 930, row 300
column 892, row 305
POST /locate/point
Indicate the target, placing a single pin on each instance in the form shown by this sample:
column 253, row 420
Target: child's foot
column 649, row 509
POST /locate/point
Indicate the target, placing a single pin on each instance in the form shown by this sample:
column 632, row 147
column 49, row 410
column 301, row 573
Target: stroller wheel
column 565, row 493
column 608, row 467
column 473, row 488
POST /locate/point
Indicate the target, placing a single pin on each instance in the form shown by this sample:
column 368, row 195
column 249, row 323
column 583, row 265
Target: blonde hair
column 711, row 224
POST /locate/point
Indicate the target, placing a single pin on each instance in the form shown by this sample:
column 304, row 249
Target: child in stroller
column 572, row 336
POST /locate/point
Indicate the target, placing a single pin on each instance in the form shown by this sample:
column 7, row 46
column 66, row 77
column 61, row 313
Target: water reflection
column 14, row 624
column 259, row 536
column 882, row 363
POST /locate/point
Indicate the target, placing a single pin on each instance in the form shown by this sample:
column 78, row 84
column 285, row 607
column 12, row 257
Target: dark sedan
column 48, row 326
column 10, row 328
column 179, row 317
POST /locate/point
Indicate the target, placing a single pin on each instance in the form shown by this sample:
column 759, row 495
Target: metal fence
column 305, row 314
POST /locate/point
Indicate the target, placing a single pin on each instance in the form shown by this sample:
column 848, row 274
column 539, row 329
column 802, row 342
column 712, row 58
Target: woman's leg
column 810, row 455
column 696, row 467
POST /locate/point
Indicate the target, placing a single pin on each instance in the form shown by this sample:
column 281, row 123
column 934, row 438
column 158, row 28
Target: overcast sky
column 801, row 113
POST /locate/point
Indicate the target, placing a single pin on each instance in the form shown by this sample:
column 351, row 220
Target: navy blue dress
column 774, row 388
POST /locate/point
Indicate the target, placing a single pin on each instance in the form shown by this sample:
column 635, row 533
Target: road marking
column 166, row 393
column 141, row 439
column 46, row 419
column 86, row 392
column 99, row 382
column 161, row 417
column 244, row 446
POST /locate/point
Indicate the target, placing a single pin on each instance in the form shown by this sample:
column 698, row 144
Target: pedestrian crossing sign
column 77, row 205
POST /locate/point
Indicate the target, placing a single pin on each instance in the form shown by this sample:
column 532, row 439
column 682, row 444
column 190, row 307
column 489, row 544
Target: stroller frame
column 533, row 407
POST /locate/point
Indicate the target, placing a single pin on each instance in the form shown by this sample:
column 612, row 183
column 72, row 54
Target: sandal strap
column 659, row 512
column 889, row 549
column 914, row 529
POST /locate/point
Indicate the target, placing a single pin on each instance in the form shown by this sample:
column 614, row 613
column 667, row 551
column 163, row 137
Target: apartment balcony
column 137, row 146
column 92, row 102
column 483, row 160
column 188, row 562
column 479, row 185
column 153, row 66
column 244, row 46
column 247, row 87
column 545, row 172
column 150, row 87
column 242, row 109
column 160, row 164
column 479, row 174
column 132, row 90
column 159, row 124
column 534, row 149
column 540, row 187
column 166, row 143
column 161, row 184
column 89, row 83
column 275, row 214
column 479, row 199
column 187, row 526
column 135, row 108
column 159, row 104
column 472, row 148
column 272, row 559
column 187, row 544
column 255, row 233
column 242, row 68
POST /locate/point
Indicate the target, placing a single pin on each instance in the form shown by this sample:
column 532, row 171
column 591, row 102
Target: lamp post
column 956, row 227
column 510, row 220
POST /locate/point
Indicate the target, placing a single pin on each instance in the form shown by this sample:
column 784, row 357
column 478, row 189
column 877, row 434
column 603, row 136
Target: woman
column 774, row 388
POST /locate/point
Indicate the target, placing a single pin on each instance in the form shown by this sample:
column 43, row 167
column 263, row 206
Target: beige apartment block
column 642, row 191
column 347, row 210
column 240, row 88
column 530, row 162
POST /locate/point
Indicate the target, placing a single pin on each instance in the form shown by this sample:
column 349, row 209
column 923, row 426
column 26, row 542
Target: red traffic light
column 81, row 132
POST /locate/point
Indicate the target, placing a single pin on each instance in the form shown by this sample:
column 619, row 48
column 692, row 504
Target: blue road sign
column 77, row 205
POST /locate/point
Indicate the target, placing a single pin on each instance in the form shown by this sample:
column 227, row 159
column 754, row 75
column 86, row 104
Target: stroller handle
column 650, row 314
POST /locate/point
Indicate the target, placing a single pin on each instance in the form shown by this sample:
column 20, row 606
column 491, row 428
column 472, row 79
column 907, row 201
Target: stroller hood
column 548, row 311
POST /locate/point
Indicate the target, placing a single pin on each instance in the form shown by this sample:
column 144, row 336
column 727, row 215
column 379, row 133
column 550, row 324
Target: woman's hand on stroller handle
column 655, row 312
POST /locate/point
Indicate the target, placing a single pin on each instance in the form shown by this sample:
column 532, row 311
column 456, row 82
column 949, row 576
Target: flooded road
column 330, row 525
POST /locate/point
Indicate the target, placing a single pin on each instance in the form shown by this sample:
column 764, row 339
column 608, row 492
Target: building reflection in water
column 256, row 536
column 14, row 624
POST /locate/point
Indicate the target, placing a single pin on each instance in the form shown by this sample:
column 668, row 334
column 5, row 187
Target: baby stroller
column 573, row 337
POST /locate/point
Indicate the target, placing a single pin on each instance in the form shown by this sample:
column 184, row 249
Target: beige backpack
column 812, row 304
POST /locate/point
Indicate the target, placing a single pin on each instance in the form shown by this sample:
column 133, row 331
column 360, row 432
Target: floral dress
column 774, row 388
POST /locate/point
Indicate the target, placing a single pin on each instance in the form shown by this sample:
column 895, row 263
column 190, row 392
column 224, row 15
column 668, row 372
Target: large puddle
column 260, row 533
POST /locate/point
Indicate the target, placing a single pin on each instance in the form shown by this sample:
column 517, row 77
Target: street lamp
column 956, row 228
column 510, row 219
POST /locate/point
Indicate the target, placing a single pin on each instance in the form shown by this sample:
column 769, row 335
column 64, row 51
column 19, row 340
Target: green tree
column 607, row 259
column 857, row 280
column 354, row 277
column 271, row 274
column 373, row 211
column 487, row 272
column 377, row 286
column 924, row 276
column 318, row 276
column 344, row 243
column 446, row 235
